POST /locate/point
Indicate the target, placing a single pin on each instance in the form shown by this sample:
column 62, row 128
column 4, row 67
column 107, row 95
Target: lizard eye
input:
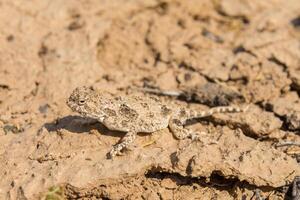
column 81, row 102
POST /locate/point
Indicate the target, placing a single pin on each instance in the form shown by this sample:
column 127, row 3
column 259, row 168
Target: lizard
column 134, row 114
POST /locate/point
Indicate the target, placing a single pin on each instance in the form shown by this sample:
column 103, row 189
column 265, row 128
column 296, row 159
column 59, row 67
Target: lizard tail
column 215, row 110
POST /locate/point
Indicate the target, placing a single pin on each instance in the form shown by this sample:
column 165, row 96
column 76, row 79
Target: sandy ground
column 49, row 47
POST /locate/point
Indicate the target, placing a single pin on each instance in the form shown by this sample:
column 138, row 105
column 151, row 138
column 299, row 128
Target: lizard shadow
column 78, row 124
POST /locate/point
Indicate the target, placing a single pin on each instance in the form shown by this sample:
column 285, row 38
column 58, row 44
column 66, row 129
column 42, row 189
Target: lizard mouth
column 72, row 105
column 76, row 108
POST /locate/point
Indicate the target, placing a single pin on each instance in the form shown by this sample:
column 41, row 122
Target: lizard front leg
column 124, row 143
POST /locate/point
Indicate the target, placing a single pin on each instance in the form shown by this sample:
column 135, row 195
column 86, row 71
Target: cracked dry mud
column 47, row 48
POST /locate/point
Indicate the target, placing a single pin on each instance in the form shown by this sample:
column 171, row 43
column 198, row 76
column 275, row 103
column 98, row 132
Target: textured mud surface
column 249, row 49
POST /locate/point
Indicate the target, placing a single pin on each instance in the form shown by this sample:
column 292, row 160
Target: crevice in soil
column 216, row 180
column 284, row 119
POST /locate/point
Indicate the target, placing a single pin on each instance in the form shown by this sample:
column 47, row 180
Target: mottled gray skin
column 133, row 114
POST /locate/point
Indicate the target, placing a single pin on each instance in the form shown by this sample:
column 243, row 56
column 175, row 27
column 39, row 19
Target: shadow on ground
column 78, row 124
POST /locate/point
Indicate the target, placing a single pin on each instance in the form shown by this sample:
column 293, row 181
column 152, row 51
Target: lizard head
column 84, row 101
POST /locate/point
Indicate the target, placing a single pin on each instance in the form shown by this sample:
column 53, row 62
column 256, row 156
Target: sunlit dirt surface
column 49, row 47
